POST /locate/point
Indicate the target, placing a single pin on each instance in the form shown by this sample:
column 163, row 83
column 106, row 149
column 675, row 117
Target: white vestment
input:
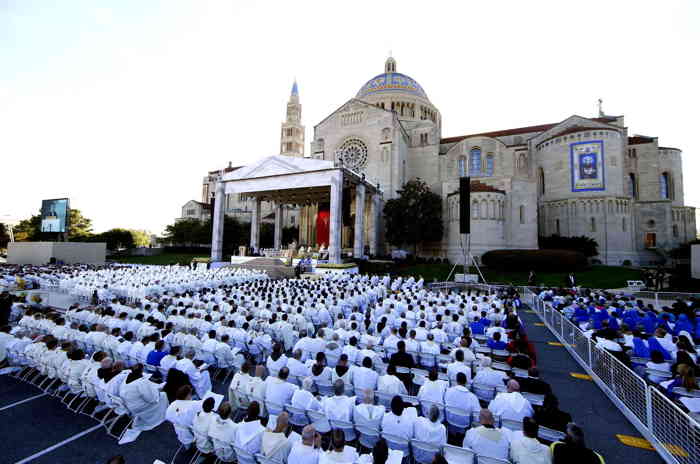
column 146, row 403
column 182, row 413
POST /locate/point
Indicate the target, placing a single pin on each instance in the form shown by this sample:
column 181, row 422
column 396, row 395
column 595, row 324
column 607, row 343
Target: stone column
column 336, row 225
column 359, row 244
column 255, row 226
column 374, row 228
column 217, row 235
column 278, row 225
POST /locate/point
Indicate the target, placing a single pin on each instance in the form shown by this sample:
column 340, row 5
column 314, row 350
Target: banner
column 54, row 215
column 587, row 166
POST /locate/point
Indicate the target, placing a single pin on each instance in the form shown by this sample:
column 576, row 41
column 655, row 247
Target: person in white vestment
column 367, row 413
column 200, row 426
column 181, row 414
column 487, row 439
column 488, row 376
column 249, row 431
column 430, row 429
column 340, row 407
column 275, row 443
column 222, row 432
column 199, row 378
column 239, row 383
column 306, row 451
column 170, row 359
column 458, row 366
column 143, row 399
column 338, row 453
column 400, row 419
column 303, row 397
column 78, row 365
column 511, row 405
column 278, row 391
column 527, row 449
column 365, row 378
column 390, row 383
column 460, row 397
column 433, row 390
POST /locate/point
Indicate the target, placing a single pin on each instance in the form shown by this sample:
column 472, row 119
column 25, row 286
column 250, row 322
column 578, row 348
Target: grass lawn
column 165, row 258
column 594, row 277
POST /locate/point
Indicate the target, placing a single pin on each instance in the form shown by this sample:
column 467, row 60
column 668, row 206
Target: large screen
column 54, row 215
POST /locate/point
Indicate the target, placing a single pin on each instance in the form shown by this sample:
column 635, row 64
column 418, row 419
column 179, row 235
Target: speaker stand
column 468, row 259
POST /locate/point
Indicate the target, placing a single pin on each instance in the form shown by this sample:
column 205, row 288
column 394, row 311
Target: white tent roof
column 276, row 165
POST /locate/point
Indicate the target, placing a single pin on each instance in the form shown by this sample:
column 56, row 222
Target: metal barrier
column 673, row 433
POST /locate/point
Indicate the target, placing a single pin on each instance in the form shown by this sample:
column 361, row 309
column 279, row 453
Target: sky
column 123, row 106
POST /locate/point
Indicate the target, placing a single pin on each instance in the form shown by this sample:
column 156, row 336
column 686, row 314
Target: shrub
column 537, row 260
column 627, row 262
column 586, row 245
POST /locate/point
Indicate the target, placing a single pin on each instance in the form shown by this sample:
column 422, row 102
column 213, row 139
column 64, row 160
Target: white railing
column 673, row 433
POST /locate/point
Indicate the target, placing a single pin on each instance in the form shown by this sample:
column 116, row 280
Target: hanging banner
column 587, row 166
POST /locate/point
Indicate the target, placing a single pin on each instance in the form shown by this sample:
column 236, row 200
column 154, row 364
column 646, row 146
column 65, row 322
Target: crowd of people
column 660, row 344
column 317, row 365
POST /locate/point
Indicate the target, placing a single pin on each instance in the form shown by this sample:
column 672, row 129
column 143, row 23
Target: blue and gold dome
column 391, row 81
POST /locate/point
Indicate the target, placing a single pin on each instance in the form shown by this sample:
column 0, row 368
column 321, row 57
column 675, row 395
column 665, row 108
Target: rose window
column 353, row 153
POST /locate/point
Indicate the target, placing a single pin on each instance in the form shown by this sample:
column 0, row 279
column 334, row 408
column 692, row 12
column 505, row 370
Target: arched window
column 475, row 209
column 475, row 162
column 540, row 179
column 522, row 214
column 664, row 186
column 489, row 164
column 558, row 228
column 633, row 185
column 624, row 224
column 462, row 166
column 593, row 224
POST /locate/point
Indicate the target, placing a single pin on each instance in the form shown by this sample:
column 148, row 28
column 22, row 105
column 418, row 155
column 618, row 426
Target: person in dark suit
column 403, row 359
column 533, row 384
column 571, row 280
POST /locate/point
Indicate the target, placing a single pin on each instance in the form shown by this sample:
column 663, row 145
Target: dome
column 391, row 81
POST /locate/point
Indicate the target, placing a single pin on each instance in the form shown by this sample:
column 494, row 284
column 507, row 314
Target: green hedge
column 537, row 260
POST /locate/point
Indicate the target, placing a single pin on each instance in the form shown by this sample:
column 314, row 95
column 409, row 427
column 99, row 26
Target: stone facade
column 581, row 176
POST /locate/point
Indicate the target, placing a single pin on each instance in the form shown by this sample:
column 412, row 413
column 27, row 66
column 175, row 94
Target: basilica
column 579, row 176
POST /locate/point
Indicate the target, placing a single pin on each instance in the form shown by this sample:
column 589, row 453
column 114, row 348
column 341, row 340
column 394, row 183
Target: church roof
column 517, row 130
column 391, row 82
column 475, row 187
column 638, row 139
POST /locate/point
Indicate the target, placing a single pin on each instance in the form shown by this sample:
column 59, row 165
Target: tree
column 116, row 239
column 79, row 227
column 4, row 235
column 414, row 217
column 184, row 232
column 141, row 238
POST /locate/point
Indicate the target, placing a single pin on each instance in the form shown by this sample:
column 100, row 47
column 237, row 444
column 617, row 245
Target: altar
column 319, row 186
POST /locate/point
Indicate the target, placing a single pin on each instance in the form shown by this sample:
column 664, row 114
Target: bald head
column 308, row 434
column 259, row 370
column 485, row 417
column 282, row 422
column 513, row 386
column 368, row 396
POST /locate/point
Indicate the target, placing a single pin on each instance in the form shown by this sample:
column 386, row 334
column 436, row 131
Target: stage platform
column 275, row 267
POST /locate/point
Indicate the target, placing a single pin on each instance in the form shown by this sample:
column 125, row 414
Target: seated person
column 511, row 405
column 573, row 449
column 495, row 343
column 488, row 440
column 549, row 415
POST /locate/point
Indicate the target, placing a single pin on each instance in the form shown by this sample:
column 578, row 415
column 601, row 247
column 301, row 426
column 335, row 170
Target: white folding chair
column 368, row 436
column 481, row 459
column 458, row 455
column 396, row 442
column 550, row 435
column 424, row 452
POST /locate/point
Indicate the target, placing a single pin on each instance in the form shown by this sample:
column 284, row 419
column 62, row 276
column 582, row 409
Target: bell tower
column 292, row 136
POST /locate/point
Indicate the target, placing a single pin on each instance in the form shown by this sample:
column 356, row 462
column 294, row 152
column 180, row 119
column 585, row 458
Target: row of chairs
column 114, row 415
column 368, row 434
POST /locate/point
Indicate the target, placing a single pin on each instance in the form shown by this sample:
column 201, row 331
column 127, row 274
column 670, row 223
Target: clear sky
column 123, row 106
